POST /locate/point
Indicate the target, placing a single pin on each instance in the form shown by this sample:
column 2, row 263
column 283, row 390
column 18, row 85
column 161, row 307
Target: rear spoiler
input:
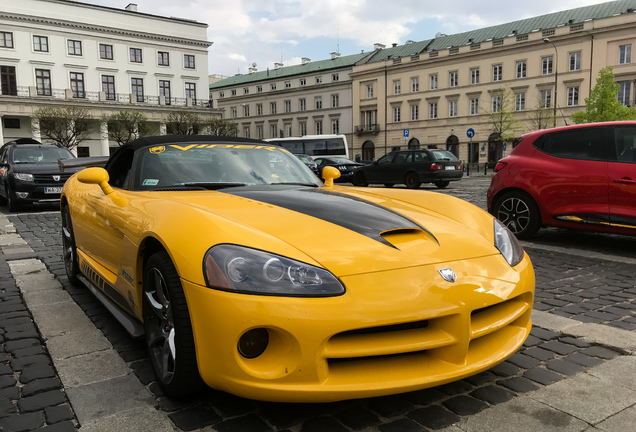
column 82, row 162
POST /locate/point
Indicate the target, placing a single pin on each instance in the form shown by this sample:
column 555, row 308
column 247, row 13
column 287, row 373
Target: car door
column 622, row 176
column 399, row 167
column 378, row 171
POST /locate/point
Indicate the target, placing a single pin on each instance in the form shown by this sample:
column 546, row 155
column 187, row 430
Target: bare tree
column 221, row 127
column 126, row 126
column 183, row 122
column 542, row 117
column 503, row 124
column 68, row 126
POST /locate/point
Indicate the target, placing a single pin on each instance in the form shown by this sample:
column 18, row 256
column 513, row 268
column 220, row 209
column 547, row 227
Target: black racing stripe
column 363, row 217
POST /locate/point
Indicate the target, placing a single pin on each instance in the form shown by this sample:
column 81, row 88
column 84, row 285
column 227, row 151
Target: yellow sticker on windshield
column 157, row 150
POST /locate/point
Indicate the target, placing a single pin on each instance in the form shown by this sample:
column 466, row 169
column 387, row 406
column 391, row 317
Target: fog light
column 253, row 343
column 22, row 194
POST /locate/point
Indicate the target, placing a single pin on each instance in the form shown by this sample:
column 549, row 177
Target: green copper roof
column 288, row 71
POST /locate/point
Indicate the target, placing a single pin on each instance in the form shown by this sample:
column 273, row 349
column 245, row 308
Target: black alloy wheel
column 169, row 336
column 71, row 263
column 412, row 181
column 360, row 179
column 442, row 184
column 519, row 212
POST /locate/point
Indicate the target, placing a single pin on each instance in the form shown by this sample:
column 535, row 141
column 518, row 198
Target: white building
column 61, row 53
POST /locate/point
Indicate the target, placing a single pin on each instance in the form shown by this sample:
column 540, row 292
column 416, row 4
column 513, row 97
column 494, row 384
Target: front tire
column 412, row 181
column 71, row 263
column 360, row 180
column 169, row 336
column 519, row 212
column 12, row 203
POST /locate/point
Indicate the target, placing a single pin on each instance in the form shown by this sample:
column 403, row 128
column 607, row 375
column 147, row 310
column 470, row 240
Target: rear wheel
column 360, row 179
column 519, row 212
column 71, row 263
column 169, row 336
column 412, row 181
column 442, row 184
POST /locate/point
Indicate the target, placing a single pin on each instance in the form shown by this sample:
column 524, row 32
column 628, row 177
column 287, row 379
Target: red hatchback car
column 581, row 176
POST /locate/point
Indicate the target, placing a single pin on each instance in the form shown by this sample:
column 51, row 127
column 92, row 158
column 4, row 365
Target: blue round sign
column 470, row 132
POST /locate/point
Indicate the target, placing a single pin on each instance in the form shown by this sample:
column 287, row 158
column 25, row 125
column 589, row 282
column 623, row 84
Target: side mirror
column 375, row 162
column 98, row 176
column 330, row 173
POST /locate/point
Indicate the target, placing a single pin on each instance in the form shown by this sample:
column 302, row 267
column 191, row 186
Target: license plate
column 449, row 167
column 52, row 190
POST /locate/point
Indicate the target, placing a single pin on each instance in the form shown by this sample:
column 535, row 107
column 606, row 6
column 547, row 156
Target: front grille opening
column 378, row 358
column 417, row 325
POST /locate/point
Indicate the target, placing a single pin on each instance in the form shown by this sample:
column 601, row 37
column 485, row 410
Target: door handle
column 625, row 180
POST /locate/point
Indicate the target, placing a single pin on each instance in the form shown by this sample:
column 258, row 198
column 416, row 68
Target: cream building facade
column 107, row 60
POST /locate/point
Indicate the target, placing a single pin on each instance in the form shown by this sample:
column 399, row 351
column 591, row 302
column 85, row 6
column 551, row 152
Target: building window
column 287, row 84
column 624, row 93
column 164, row 90
column 335, row 126
column 287, row 105
column 163, row 58
column 432, row 110
column 396, row 114
column 335, row 101
column 233, row 92
column 335, row 77
column 6, row 40
column 108, row 86
column 318, row 102
column 415, row 84
column 415, row 112
column 137, row 86
column 624, row 54
column 452, row 108
column 246, row 132
column 246, row 110
column 135, row 55
column 246, row 90
column 8, row 79
column 546, row 65
column 272, row 107
column 302, row 104
column 288, row 129
column 105, row 52
column 318, row 80
column 221, row 95
column 521, row 69
column 370, row 91
column 474, row 76
column 573, row 96
column 433, row 82
column 259, row 132
column 575, row 61
column 474, row 106
column 520, row 101
column 233, row 112
column 318, row 127
column 496, row 103
column 191, row 92
column 303, row 128
column 497, row 72
column 74, row 47
column 452, row 79
column 43, row 82
column 396, row 87
column 41, row 43
column 259, row 109
column 188, row 61
column 77, row 84
column 259, row 88
column 273, row 131
column 546, row 98
column 272, row 86
column 302, row 82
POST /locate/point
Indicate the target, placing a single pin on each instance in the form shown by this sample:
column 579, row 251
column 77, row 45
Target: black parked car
column 29, row 173
column 412, row 168
column 309, row 161
column 344, row 165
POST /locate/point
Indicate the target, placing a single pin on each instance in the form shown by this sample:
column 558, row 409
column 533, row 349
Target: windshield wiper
column 295, row 184
column 210, row 185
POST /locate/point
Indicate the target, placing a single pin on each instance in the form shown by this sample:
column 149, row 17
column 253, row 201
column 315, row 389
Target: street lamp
column 556, row 76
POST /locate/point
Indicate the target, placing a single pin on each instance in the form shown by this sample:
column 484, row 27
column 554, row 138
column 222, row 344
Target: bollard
column 486, row 168
column 467, row 170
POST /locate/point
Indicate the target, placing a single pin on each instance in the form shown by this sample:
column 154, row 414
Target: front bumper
column 391, row 332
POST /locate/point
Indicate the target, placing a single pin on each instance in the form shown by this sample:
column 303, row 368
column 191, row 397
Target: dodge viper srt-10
column 247, row 274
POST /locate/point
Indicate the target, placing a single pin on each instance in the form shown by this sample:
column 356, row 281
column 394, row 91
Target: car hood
column 347, row 230
column 41, row 168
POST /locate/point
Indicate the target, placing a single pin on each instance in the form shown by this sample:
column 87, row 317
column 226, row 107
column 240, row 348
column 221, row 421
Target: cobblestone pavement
column 574, row 281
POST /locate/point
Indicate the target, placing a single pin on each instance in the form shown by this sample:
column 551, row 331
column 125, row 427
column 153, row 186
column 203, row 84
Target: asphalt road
column 584, row 277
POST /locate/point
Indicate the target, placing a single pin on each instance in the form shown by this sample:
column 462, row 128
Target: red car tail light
column 500, row 166
column 436, row 167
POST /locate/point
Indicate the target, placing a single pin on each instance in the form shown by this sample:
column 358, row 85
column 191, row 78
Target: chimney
column 394, row 44
column 305, row 60
column 378, row 46
column 335, row 55
column 252, row 69
column 278, row 65
column 132, row 7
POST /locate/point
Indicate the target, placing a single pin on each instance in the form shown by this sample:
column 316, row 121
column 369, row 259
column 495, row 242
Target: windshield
column 40, row 154
column 340, row 160
column 213, row 166
column 444, row 155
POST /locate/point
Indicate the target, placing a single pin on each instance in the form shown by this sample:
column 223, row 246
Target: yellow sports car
column 246, row 273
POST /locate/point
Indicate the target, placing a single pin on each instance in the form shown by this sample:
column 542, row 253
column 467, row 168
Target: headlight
column 507, row 243
column 240, row 269
column 23, row 176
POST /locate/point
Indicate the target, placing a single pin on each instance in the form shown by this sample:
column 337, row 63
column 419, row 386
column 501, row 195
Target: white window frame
column 575, row 61
column 433, row 81
column 497, row 72
column 474, row 76
column 573, row 96
column 547, row 64
column 474, row 106
column 521, row 69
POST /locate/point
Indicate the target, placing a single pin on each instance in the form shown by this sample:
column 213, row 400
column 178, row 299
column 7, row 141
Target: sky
column 264, row 32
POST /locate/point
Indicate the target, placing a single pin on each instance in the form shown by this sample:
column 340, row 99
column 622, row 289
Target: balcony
column 367, row 129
